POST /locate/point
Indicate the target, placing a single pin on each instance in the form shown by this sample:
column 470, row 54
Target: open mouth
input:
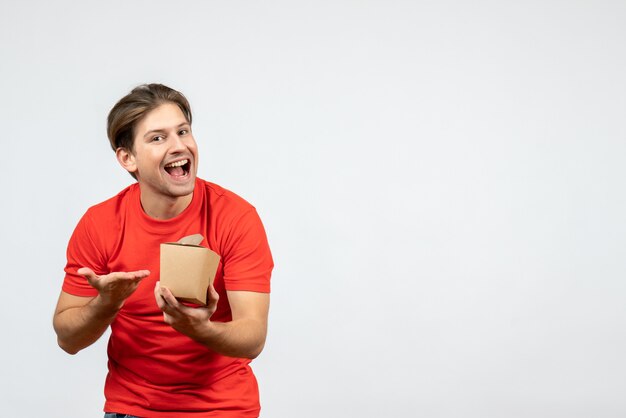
column 178, row 168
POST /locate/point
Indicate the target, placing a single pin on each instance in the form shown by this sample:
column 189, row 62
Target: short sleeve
column 83, row 252
column 247, row 259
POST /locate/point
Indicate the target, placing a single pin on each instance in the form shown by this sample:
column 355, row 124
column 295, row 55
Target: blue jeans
column 114, row 415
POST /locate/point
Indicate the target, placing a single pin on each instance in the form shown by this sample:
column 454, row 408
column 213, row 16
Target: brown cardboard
column 187, row 268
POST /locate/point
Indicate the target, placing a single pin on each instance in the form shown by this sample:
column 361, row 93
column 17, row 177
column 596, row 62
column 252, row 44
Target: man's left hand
column 193, row 322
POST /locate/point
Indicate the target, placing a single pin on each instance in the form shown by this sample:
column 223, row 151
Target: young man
column 166, row 359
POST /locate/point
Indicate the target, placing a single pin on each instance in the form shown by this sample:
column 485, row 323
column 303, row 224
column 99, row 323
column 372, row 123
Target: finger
column 213, row 296
column 140, row 274
column 157, row 296
column 173, row 306
column 168, row 304
column 88, row 274
column 168, row 297
column 162, row 303
column 213, row 293
column 129, row 275
column 121, row 278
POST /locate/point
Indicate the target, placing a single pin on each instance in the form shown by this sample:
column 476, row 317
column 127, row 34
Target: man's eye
column 183, row 132
column 157, row 138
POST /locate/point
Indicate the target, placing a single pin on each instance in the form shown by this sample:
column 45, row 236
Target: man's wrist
column 208, row 333
column 103, row 309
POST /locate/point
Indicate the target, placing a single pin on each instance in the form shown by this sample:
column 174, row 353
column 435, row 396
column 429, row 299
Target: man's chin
column 169, row 186
column 181, row 182
column 182, row 190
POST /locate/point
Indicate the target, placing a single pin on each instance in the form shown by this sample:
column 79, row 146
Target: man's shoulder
column 220, row 196
column 112, row 206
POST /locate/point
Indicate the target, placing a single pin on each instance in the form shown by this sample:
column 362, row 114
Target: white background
column 442, row 183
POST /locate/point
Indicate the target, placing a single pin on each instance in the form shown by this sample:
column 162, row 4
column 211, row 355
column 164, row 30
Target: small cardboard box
column 187, row 268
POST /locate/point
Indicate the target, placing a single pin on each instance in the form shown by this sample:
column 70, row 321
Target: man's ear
column 126, row 159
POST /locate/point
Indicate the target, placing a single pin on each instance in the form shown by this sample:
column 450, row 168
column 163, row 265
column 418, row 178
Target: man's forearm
column 80, row 321
column 79, row 327
column 243, row 338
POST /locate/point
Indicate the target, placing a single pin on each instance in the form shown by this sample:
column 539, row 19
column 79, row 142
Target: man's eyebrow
column 161, row 130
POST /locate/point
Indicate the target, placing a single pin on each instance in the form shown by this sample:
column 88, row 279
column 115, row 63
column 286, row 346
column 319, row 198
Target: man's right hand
column 80, row 321
column 114, row 288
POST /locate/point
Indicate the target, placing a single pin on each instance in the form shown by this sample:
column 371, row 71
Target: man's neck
column 162, row 207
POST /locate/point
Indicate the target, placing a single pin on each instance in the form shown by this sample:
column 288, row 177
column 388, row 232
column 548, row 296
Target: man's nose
column 177, row 144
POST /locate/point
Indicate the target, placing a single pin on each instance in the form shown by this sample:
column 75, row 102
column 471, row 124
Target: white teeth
column 177, row 164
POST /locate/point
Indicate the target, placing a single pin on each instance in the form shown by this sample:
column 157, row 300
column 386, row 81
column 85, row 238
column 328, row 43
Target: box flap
column 194, row 239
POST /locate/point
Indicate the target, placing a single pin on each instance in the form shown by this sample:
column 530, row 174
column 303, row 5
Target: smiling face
column 164, row 159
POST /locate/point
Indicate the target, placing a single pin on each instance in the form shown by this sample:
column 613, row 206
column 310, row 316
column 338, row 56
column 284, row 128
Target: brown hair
column 144, row 98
